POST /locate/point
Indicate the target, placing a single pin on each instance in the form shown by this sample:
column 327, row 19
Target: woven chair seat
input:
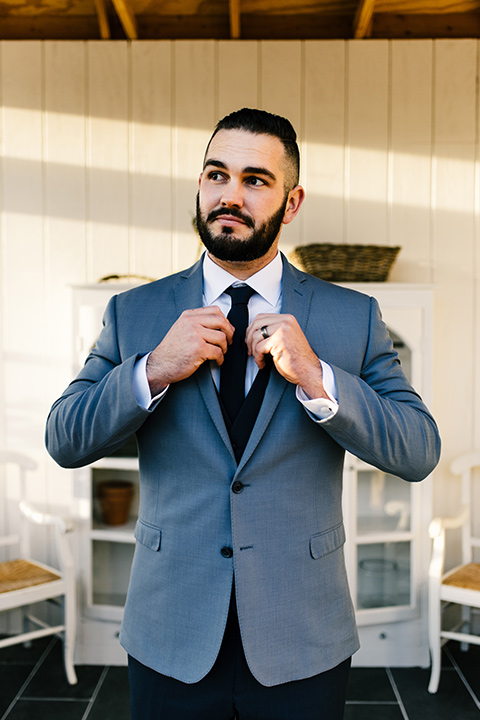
column 20, row 574
column 467, row 577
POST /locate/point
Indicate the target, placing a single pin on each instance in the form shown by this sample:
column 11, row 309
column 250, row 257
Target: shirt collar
column 267, row 282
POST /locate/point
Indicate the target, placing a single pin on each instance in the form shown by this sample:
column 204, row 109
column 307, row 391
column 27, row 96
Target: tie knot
column 240, row 294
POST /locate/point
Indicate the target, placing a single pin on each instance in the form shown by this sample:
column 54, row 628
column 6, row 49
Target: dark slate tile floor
column 33, row 687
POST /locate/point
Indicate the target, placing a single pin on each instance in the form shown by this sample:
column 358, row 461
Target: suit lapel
column 296, row 301
column 296, row 294
column 188, row 293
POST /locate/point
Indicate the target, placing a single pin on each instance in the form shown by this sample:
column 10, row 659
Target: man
column 238, row 602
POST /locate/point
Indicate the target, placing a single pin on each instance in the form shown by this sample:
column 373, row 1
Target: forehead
column 239, row 149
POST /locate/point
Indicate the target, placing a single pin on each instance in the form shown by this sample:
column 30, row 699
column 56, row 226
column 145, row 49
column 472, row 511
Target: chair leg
column 434, row 627
column 466, row 624
column 68, row 660
column 69, row 636
column 26, row 624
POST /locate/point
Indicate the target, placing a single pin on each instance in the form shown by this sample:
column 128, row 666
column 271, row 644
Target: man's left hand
column 290, row 351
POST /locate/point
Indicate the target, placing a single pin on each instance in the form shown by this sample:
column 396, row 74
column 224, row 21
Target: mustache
column 231, row 211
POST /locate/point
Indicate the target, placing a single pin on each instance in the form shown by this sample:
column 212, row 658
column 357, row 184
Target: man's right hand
column 198, row 335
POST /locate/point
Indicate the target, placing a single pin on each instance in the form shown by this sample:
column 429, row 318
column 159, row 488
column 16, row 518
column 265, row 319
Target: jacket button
column 237, row 487
column 227, row 552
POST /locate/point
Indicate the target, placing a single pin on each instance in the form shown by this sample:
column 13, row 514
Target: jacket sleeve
column 98, row 412
column 381, row 419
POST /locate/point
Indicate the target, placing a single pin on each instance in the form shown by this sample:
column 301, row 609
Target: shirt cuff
column 140, row 386
column 321, row 409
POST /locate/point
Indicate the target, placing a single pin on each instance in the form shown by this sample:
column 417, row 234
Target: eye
column 216, row 176
column 255, row 181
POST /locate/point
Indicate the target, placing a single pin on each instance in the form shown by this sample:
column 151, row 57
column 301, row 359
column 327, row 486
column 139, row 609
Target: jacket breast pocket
column 326, row 542
column 148, row 535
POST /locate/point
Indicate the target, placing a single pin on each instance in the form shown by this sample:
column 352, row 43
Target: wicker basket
column 346, row 263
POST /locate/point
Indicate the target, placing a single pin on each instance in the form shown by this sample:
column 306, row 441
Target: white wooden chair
column 460, row 585
column 24, row 581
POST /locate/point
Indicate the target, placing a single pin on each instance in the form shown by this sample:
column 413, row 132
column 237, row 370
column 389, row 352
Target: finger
column 214, row 352
column 259, row 349
column 259, row 338
column 217, row 338
column 210, row 317
column 264, row 324
column 255, row 334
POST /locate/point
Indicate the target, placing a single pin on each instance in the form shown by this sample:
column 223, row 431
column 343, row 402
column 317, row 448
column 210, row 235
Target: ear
column 294, row 201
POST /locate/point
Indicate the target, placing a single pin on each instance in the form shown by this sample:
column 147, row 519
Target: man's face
column 242, row 202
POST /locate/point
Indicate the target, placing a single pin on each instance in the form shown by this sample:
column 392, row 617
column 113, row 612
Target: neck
column 244, row 270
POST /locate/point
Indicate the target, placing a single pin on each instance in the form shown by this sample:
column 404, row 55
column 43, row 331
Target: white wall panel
column 323, row 151
column 453, row 217
column 411, row 91
column 367, row 142
column 65, row 197
column 476, row 327
column 65, row 224
column 454, row 96
column 410, row 164
column 151, row 159
column 238, row 76
column 454, row 253
column 108, row 156
column 194, row 118
column 23, row 244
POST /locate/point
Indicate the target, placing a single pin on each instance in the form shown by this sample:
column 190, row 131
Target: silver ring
column 264, row 332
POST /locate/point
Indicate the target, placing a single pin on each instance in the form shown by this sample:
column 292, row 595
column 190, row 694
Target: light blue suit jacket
column 285, row 526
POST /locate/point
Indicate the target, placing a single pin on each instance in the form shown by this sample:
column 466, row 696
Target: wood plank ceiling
column 237, row 19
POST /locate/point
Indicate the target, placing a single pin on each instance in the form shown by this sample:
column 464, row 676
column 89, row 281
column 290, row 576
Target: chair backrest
column 466, row 466
column 21, row 538
column 22, row 542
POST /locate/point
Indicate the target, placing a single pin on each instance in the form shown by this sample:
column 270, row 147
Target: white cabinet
column 387, row 548
column 106, row 551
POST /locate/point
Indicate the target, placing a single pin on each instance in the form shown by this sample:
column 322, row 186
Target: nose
column 232, row 195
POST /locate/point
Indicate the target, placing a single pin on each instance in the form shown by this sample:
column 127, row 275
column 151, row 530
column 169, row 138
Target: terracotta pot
column 115, row 501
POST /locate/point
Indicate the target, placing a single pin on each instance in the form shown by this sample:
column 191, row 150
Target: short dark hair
column 261, row 122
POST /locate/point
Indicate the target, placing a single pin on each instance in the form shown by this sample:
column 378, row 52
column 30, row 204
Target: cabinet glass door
column 111, row 572
column 384, row 540
column 384, row 544
column 384, row 504
column 381, row 509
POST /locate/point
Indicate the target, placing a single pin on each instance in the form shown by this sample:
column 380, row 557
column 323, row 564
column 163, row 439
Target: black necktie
column 232, row 373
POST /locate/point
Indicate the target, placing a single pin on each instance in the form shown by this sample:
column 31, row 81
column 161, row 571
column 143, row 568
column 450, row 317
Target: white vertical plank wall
column 101, row 148
column 410, row 165
column 65, row 223
column 476, row 269
column 453, row 217
column 323, row 153
column 194, row 89
column 150, row 166
column 108, row 212
column 367, row 142
column 238, row 76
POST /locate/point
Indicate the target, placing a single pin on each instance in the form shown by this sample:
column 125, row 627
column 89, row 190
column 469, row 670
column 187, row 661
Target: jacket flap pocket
column 148, row 535
column 326, row 542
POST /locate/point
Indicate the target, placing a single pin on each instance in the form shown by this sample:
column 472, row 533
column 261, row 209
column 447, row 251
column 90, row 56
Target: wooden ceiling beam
column 234, row 19
column 362, row 25
column 127, row 18
column 102, row 18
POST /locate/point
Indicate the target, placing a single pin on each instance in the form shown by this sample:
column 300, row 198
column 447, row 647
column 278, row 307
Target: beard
column 225, row 246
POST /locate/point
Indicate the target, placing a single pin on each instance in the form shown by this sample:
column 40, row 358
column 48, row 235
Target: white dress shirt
column 267, row 284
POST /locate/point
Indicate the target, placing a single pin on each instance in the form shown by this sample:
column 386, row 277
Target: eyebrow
column 250, row 170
